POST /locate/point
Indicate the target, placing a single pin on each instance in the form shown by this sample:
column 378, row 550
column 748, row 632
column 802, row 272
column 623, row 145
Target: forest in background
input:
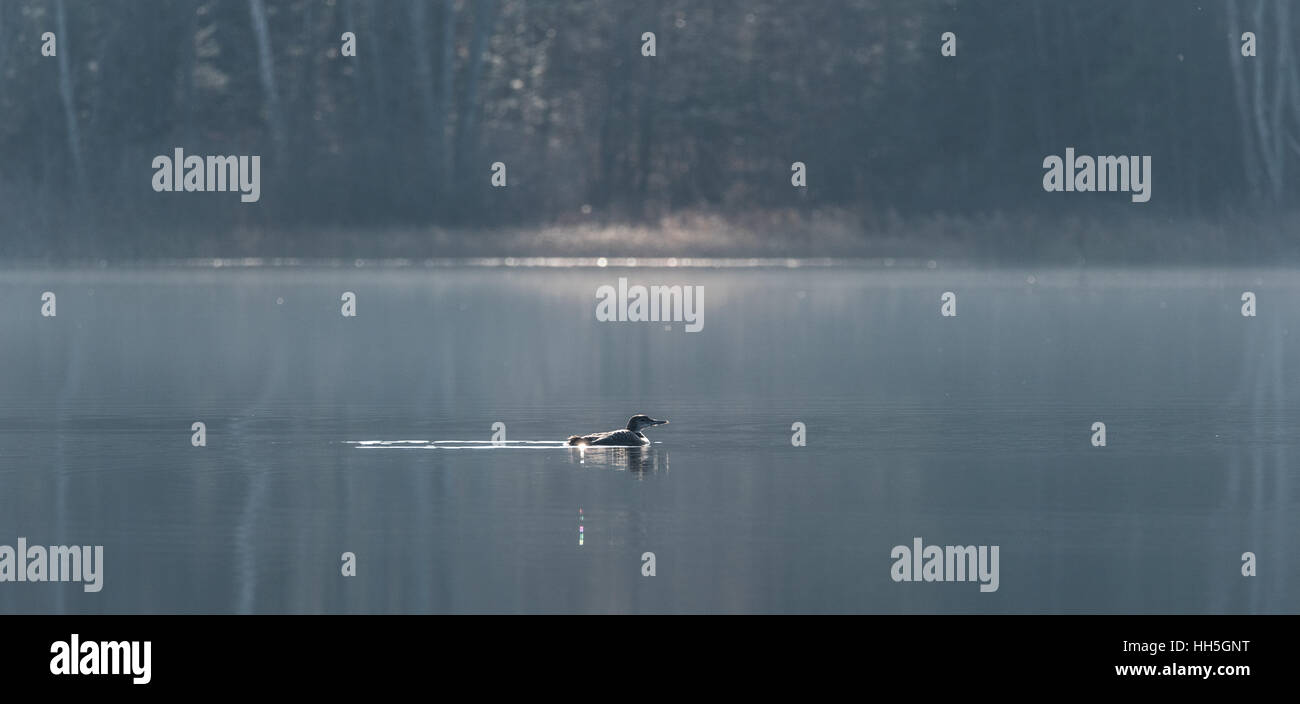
column 610, row 152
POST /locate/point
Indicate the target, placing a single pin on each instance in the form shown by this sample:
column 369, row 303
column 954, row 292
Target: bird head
column 642, row 420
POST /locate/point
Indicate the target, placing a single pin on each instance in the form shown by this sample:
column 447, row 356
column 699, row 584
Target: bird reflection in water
column 637, row 460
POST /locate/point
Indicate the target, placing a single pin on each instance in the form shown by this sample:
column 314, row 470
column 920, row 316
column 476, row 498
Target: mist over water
column 971, row 430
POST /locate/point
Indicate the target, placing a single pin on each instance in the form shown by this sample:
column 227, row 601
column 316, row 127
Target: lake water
column 966, row 430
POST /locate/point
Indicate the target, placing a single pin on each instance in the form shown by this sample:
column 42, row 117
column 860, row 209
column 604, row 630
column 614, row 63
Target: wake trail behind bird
column 456, row 444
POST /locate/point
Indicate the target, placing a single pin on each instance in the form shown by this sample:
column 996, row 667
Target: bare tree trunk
column 1287, row 67
column 1266, row 136
column 424, row 75
column 69, row 99
column 447, row 84
column 614, row 85
column 377, row 75
column 646, row 123
column 467, row 125
column 1042, row 125
column 1279, row 101
column 358, row 82
column 266, row 69
column 189, row 58
column 1076, row 49
column 1295, row 77
column 1249, row 155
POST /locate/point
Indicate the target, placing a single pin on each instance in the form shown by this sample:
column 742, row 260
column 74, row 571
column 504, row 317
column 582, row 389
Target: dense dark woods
column 390, row 152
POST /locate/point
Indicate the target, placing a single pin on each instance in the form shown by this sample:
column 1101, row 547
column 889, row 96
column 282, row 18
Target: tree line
column 403, row 133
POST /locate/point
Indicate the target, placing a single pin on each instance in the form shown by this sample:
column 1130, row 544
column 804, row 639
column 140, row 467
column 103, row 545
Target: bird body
column 631, row 436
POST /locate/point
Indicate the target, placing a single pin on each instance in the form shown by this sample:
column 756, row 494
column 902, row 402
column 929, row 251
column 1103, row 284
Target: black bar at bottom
column 334, row 654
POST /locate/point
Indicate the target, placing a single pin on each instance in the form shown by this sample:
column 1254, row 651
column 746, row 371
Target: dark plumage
column 631, row 436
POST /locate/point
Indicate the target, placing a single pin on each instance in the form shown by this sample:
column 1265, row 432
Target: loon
column 631, row 436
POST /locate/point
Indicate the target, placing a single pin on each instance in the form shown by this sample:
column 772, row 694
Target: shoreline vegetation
column 983, row 239
column 1108, row 132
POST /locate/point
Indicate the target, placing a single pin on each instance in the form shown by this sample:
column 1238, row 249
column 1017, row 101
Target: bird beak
column 661, row 422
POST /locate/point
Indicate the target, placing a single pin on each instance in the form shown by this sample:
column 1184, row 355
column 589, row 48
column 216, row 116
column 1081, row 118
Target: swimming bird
column 631, row 436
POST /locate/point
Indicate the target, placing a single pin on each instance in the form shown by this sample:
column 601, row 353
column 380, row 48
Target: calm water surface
column 967, row 430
